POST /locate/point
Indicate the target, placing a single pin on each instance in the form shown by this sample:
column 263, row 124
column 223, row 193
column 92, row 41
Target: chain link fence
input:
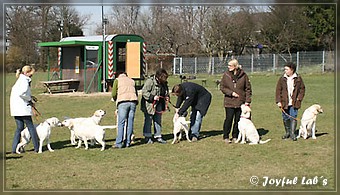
column 307, row 62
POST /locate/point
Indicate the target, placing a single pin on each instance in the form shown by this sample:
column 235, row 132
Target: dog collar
column 47, row 123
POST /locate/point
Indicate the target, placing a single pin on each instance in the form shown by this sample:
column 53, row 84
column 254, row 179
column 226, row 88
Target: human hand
column 156, row 98
column 167, row 98
column 234, row 94
column 279, row 104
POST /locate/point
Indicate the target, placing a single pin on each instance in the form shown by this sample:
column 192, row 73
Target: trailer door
column 133, row 65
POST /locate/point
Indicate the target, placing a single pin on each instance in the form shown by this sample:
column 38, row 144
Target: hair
column 119, row 73
column 234, row 63
column 161, row 72
column 178, row 89
column 291, row 65
column 24, row 70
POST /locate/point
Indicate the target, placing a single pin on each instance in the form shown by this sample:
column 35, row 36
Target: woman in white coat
column 21, row 106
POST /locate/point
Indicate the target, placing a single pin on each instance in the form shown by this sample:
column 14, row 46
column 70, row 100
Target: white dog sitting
column 94, row 119
column 247, row 129
column 180, row 124
column 308, row 121
column 87, row 131
column 43, row 132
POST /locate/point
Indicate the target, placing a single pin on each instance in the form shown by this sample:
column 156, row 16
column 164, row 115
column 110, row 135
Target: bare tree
column 285, row 28
column 124, row 19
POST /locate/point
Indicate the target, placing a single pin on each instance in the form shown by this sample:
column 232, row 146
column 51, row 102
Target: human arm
column 115, row 89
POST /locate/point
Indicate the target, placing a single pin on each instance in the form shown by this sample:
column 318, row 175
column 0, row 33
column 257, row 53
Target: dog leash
column 166, row 106
column 288, row 114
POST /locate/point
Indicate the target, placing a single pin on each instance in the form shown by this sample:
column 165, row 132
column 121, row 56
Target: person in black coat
column 198, row 98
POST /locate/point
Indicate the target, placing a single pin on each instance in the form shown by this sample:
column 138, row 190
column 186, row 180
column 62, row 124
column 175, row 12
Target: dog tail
column 263, row 142
column 109, row 127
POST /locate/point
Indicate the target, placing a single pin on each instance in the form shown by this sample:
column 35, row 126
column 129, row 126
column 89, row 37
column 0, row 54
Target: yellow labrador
column 180, row 124
column 94, row 119
column 247, row 129
column 88, row 131
column 43, row 132
column 308, row 121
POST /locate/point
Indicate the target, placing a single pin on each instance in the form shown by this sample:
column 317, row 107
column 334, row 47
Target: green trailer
column 81, row 58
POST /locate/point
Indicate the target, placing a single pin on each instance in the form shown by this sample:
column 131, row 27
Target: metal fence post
column 195, row 65
column 174, row 68
column 180, row 66
column 274, row 63
column 213, row 66
column 252, row 63
column 297, row 60
column 323, row 61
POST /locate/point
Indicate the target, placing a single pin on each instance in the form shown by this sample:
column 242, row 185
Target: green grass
column 208, row 164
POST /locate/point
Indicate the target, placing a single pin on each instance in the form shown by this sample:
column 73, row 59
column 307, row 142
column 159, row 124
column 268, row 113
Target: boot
column 293, row 124
column 286, row 124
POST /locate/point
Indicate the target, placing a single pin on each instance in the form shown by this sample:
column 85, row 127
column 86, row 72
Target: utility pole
column 104, row 22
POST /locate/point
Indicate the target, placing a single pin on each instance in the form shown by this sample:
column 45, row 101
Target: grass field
column 208, row 164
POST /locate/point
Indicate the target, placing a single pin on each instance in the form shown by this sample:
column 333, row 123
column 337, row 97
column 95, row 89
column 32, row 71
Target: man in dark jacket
column 198, row 98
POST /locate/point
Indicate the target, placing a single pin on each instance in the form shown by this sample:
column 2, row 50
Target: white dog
column 247, row 128
column 43, row 132
column 94, row 119
column 308, row 121
column 180, row 124
column 87, row 131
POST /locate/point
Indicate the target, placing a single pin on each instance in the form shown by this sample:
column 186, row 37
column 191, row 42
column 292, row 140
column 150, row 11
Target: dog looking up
column 247, row 129
column 308, row 121
column 43, row 132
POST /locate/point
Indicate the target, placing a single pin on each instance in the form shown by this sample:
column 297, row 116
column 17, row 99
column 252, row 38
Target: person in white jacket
column 21, row 106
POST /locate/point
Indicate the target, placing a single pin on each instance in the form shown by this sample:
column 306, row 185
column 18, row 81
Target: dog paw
column 242, row 142
column 40, row 152
column 313, row 137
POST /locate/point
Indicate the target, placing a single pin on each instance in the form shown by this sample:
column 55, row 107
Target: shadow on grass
column 320, row 134
column 203, row 135
column 262, row 131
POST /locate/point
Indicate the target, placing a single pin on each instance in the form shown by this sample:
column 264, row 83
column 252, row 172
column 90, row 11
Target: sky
column 95, row 14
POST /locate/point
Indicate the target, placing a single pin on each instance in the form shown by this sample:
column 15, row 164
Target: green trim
column 67, row 43
column 48, row 64
column 85, row 68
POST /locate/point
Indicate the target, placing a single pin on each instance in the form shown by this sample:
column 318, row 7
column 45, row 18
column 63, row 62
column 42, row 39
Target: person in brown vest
column 126, row 97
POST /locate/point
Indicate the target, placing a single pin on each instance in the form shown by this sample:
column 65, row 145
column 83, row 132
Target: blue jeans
column 126, row 115
column 20, row 121
column 157, row 123
column 291, row 111
column 195, row 122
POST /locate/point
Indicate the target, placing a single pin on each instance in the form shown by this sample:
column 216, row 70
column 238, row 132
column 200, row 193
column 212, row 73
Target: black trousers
column 231, row 120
